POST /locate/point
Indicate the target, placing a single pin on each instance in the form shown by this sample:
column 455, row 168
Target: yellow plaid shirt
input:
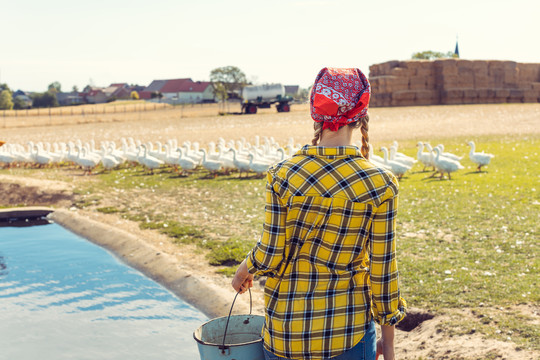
column 328, row 248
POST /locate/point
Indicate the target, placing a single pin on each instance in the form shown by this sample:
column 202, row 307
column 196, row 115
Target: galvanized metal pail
column 236, row 337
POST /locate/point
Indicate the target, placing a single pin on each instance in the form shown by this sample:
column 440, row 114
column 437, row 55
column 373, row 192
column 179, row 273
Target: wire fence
column 110, row 112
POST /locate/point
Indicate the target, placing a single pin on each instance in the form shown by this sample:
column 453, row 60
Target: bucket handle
column 223, row 347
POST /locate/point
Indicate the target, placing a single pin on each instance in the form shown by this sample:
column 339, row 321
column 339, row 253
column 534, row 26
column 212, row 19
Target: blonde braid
column 364, row 128
column 317, row 126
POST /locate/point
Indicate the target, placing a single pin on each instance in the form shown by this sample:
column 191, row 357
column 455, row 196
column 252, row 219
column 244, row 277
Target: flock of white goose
column 222, row 155
column 442, row 162
column 219, row 156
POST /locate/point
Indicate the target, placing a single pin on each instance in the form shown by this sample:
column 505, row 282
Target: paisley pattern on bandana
column 339, row 97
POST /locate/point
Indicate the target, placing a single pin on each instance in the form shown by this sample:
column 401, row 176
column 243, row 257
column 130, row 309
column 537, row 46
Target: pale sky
column 282, row 41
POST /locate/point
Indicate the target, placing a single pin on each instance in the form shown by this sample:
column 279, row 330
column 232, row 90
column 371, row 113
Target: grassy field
column 466, row 243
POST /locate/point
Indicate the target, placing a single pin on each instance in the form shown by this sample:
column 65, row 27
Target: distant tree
column 55, row 86
column 44, row 100
column 6, row 100
column 226, row 80
column 75, row 89
column 432, row 55
column 303, row 94
column 20, row 103
column 134, row 95
column 4, row 87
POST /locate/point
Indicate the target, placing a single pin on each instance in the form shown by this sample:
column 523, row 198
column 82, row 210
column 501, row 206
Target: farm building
column 94, row 95
column 69, row 98
column 179, row 91
column 118, row 91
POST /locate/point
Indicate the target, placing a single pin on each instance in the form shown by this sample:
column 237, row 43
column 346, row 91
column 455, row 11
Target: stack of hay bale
column 453, row 81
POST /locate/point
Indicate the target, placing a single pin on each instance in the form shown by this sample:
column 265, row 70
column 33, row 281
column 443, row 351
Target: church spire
column 456, row 51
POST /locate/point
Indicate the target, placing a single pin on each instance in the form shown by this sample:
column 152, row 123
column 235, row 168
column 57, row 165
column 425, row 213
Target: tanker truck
column 263, row 96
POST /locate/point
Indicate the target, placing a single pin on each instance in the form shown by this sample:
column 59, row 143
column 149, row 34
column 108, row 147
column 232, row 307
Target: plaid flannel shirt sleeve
column 266, row 257
column 388, row 306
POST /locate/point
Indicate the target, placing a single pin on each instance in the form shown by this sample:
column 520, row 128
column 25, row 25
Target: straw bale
column 528, row 72
column 425, row 70
column 417, row 83
column 502, row 93
column 448, row 82
column 531, row 96
column 470, row 96
column 516, row 96
column 480, row 68
column 406, row 95
column 481, row 81
column 452, row 96
column 427, row 97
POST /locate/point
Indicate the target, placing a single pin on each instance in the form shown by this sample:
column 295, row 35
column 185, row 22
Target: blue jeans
column 366, row 349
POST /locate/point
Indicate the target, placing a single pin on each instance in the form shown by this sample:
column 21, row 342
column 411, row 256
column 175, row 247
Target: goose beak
column 2, row 143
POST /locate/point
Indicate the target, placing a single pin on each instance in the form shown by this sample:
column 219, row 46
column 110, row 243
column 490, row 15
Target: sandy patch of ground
column 386, row 125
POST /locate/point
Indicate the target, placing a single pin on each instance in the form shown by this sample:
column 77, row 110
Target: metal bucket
column 236, row 337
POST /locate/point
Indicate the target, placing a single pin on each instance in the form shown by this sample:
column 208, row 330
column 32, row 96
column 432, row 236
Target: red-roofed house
column 181, row 90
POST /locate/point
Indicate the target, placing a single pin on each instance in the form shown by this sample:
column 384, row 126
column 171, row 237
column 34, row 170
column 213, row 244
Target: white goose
column 211, row 165
column 170, row 158
column 109, row 161
column 404, row 159
column 376, row 159
column 399, row 156
column 149, row 161
column 185, row 162
column 193, row 155
column 241, row 164
column 129, row 153
column 399, row 169
column 445, row 165
column 448, row 155
column 20, row 154
column 481, row 159
column 425, row 158
column 260, row 167
column 225, row 158
column 7, row 157
column 40, row 157
column 86, row 162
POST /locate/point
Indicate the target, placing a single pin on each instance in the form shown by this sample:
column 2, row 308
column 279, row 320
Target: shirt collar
column 332, row 152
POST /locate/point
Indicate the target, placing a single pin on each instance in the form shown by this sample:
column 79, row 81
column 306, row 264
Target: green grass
column 230, row 252
column 474, row 238
column 108, row 210
column 184, row 234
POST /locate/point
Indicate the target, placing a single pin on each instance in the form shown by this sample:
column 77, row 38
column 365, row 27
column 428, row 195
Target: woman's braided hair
column 364, row 128
column 362, row 123
column 317, row 127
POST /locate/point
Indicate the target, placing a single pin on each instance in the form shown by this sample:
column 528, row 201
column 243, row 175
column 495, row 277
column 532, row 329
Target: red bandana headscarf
column 339, row 97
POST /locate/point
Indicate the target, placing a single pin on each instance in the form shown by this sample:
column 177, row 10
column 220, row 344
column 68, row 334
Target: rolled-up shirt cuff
column 394, row 317
column 251, row 269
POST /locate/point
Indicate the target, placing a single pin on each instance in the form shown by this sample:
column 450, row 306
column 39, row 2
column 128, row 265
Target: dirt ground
column 406, row 125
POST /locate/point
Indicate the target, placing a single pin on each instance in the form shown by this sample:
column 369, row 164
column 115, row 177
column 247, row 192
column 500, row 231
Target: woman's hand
column 385, row 345
column 242, row 280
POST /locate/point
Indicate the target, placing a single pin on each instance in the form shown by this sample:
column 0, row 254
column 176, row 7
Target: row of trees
column 39, row 100
column 432, row 55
